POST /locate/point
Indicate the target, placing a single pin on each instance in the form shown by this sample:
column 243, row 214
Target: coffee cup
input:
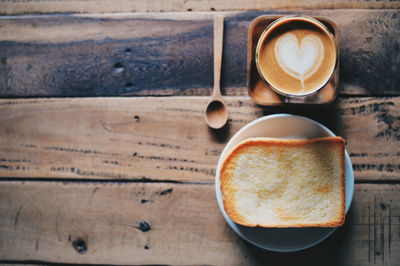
column 296, row 56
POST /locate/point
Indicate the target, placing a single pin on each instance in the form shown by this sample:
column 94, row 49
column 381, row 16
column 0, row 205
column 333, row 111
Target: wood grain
column 104, row 6
column 171, row 53
column 44, row 220
column 167, row 138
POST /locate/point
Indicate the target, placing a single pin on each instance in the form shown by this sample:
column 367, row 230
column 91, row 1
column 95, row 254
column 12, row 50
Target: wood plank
column 43, row 221
column 104, row 6
column 171, row 53
column 166, row 138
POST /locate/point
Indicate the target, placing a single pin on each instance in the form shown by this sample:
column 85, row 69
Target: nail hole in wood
column 144, row 226
column 80, row 245
column 118, row 67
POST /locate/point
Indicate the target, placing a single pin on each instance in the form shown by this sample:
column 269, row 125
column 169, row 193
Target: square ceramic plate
column 282, row 126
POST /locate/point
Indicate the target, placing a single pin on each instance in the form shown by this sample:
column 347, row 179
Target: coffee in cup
column 296, row 56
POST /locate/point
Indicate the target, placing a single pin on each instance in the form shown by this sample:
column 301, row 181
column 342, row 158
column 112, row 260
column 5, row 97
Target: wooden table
column 104, row 154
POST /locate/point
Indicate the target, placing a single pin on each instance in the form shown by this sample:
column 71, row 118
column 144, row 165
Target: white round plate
column 282, row 126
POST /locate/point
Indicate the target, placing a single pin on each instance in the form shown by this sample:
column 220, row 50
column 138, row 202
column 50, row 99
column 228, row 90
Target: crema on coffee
column 296, row 55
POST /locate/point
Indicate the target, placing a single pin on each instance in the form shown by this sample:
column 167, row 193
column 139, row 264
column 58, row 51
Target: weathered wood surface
column 154, row 159
column 105, row 6
column 43, row 221
column 167, row 138
column 171, row 53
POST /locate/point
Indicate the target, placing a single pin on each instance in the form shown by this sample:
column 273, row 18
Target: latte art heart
column 296, row 56
column 299, row 58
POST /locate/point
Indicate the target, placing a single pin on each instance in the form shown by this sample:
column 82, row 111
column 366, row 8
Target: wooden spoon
column 216, row 114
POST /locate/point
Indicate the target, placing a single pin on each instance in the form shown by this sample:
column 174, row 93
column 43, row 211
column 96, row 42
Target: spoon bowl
column 216, row 114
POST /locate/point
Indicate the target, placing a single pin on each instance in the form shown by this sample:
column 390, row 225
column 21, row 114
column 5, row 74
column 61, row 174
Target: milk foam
column 299, row 58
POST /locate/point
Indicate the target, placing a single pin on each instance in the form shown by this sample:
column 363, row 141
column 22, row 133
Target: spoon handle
column 218, row 44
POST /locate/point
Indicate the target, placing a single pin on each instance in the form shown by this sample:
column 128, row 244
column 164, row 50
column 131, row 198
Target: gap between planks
column 104, row 6
column 127, row 181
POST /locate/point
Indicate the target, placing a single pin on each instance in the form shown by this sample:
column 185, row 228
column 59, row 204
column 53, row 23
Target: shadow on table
column 327, row 115
column 324, row 254
column 221, row 135
column 337, row 249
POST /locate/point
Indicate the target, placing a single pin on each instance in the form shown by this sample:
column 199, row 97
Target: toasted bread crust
column 228, row 190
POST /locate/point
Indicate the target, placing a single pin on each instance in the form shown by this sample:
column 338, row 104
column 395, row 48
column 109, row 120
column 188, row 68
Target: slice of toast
column 285, row 183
